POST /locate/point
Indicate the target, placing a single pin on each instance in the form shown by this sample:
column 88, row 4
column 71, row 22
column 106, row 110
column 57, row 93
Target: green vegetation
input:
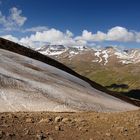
column 123, row 77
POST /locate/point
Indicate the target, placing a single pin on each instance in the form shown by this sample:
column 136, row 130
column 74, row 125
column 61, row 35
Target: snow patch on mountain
column 105, row 56
column 98, row 53
column 52, row 50
column 132, row 56
column 102, row 55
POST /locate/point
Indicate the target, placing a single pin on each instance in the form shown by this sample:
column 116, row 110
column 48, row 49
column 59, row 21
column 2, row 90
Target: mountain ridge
column 101, row 55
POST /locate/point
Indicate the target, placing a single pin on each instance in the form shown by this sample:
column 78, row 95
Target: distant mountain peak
column 101, row 55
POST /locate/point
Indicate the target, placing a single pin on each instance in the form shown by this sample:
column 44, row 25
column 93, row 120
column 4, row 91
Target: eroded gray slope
column 31, row 85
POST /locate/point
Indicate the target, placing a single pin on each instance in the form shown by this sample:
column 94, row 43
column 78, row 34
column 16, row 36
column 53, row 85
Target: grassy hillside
column 120, row 78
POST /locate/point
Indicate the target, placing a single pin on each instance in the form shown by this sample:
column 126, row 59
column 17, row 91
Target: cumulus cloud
column 69, row 33
column 114, row 34
column 11, row 38
column 57, row 37
column 137, row 37
column 120, row 34
column 52, row 36
column 14, row 20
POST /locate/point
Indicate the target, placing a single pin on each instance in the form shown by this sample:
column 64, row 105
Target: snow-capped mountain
column 30, row 81
column 102, row 56
column 129, row 56
column 52, row 50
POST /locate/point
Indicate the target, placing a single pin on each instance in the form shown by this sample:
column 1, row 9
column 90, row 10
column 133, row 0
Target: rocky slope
column 27, row 84
column 67, row 126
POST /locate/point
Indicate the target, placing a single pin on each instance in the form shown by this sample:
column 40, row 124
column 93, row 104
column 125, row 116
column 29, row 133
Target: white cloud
column 36, row 29
column 87, row 35
column 54, row 36
column 11, row 38
column 16, row 16
column 69, row 33
column 2, row 19
column 14, row 20
column 137, row 37
column 120, row 34
column 51, row 35
column 117, row 33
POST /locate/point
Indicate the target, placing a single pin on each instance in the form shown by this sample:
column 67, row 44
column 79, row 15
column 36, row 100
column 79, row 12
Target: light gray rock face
column 31, row 85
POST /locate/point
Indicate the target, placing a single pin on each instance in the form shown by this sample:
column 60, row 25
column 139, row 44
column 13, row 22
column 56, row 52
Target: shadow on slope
column 118, row 86
column 14, row 47
column 133, row 94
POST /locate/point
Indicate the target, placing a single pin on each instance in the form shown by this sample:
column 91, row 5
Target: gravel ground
column 70, row 126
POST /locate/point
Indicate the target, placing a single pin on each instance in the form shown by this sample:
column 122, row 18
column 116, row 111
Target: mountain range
column 114, row 68
column 101, row 55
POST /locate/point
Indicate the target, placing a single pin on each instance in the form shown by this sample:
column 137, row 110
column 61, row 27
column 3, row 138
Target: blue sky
column 71, row 22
